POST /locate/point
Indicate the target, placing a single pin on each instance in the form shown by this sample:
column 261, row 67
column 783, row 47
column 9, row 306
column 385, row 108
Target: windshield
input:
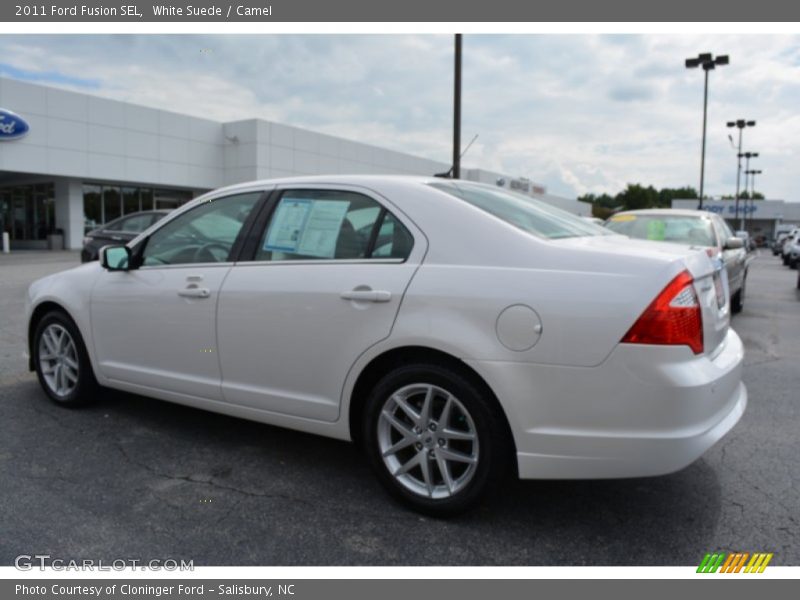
column 679, row 229
column 524, row 212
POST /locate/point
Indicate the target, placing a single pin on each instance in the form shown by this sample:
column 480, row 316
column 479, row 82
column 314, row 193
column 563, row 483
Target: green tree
column 636, row 196
column 602, row 206
column 667, row 195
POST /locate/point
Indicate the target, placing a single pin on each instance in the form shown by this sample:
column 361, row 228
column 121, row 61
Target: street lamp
column 708, row 62
column 740, row 124
column 747, row 156
column 753, row 174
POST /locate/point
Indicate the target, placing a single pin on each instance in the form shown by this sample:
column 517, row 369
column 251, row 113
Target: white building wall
column 86, row 137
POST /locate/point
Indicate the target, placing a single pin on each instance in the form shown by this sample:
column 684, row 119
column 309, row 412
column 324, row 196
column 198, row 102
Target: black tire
column 494, row 453
column 785, row 260
column 84, row 389
column 737, row 300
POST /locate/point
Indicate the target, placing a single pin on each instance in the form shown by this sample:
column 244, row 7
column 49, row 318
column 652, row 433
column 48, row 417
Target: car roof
column 365, row 180
column 675, row 212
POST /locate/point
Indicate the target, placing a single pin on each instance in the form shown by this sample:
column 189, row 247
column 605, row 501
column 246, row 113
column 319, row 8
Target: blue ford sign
column 12, row 126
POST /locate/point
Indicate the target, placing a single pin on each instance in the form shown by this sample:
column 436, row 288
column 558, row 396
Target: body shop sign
column 12, row 126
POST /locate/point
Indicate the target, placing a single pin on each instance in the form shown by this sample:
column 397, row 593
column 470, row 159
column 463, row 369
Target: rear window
column 679, row 229
column 533, row 216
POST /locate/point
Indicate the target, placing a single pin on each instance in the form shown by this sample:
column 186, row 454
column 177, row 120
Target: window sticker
column 307, row 227
column 287, row 225
column 656, row 230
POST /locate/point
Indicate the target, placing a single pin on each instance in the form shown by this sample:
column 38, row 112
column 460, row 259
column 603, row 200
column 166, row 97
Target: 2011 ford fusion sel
column 456, row 331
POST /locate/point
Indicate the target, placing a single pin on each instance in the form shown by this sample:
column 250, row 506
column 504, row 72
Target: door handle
column 195, row 292
column 367, row 295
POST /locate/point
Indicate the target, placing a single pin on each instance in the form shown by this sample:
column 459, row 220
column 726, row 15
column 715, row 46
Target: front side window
column 332, row 225
column 204, row 234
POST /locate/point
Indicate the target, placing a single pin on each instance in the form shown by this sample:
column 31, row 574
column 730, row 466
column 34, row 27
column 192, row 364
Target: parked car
column 749, row 242
column 782, row 231
column 694, row 228
column 455, row 331
column 787, row 245
column 120, row 230
column 793, row 252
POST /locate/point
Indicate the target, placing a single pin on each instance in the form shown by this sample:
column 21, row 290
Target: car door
column 328, row 272
column 154, row 326
column 733, row 258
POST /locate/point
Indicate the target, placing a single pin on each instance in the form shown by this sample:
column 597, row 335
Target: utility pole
column 457, row 111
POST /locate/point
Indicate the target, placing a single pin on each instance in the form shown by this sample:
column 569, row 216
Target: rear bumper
column 647, row 410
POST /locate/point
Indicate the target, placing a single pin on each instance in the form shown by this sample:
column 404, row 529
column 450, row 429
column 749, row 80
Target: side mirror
column 115, row 258
column 733, row 243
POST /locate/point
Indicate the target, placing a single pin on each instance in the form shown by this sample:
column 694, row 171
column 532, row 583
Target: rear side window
column 533, row 216
column 332, row 225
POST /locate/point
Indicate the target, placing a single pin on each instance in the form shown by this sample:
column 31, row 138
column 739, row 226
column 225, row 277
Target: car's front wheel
column 61, row 362
column 737, row 302
column 434, row 438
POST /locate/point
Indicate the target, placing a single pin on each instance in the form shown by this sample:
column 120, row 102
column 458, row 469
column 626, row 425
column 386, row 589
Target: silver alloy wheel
column 58, row 360
column 428, row 440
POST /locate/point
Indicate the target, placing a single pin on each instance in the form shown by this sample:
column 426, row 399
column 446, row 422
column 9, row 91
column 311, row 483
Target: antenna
column 449, row 173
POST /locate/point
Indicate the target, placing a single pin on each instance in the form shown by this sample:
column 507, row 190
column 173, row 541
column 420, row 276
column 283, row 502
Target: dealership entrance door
column 27, row 213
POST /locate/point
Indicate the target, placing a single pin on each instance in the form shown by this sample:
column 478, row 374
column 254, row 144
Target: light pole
column 708, row 62
column 740, row 124
column 747, row 156
column 753, row 174
column 457, row 111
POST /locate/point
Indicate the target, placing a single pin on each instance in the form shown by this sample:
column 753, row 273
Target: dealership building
column 85, row 160
column 758, row 217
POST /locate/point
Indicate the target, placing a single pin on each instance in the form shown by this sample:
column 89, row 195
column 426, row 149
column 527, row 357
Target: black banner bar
column 732, row 588
column 406, row 10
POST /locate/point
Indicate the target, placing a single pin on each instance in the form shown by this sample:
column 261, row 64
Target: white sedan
column 457, row 332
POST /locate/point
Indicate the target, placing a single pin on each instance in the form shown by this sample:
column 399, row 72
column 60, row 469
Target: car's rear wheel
column 61, row 362
column 434, row 438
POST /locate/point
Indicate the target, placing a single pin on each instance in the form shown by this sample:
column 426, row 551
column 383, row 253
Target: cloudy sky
column 579, row 113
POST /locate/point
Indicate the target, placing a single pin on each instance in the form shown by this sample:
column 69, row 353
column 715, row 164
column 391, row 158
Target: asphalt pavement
column 135, row 478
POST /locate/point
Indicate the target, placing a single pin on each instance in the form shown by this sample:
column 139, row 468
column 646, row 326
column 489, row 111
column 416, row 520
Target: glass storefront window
column 27, row 213
column 170, row 199
column 112, row 203
column 146, row 194
column 104, row 203
column 92, row 208
column 130, row 200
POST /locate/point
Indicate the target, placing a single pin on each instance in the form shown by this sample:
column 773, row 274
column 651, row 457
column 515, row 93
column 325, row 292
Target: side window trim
column 376, row 230
column 263, row 213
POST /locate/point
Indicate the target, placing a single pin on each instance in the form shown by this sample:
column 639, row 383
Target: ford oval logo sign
column 12, row 126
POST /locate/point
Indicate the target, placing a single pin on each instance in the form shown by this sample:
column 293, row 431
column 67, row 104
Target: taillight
column 672, row 319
